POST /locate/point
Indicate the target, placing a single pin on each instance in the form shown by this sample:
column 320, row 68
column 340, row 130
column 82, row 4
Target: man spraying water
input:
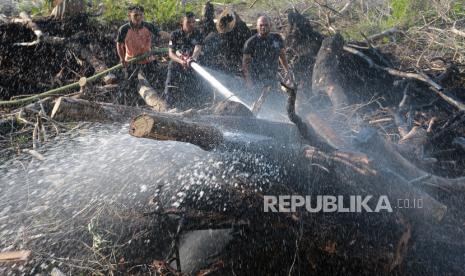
column 183, row 88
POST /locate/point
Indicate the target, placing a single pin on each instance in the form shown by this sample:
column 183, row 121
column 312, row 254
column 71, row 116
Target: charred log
column 334, row 75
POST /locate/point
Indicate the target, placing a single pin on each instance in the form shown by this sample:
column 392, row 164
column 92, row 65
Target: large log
column 206, row 136
column 348, row 174
column 325, row 78
column 69, row 109
column 223, row 116
column 386, row 155
column 371, row 175
column 167, row 128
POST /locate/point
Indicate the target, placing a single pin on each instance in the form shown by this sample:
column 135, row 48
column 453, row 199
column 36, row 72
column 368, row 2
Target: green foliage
column 400, row 8
column 35, row 7
column 160, row 11
column 396, row 13
column 458, row 9
column 405, row 13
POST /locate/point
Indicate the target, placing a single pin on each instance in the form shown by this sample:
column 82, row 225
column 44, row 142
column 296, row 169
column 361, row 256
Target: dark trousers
column 184, row 89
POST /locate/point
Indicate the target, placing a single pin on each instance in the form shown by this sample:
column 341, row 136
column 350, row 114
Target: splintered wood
column 14, row 256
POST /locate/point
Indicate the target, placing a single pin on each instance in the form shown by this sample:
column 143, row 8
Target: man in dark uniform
column 260, row 59
column 135, row 38
column 183, row 88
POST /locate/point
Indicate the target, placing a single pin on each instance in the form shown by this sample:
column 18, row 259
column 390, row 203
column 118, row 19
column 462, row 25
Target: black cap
column 135, row 8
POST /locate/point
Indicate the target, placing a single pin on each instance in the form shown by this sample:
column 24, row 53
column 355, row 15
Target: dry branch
column 421, row 77
column 41, row 37
column 388, row 32
column 14, row 256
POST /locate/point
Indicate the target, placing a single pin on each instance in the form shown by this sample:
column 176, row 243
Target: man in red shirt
column 135, row 38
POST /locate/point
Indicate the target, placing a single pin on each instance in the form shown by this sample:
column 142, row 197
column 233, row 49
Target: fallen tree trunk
column 165, row 128
column 380, row 178
column 305, row 130
column 341, row 173
column 150, row 96
column 325, row 77
column 69, row 109
column 325, row 131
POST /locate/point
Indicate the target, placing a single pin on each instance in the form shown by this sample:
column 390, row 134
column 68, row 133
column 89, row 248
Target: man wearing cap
column 183, row 88
column 261, row 55
column 135, row 38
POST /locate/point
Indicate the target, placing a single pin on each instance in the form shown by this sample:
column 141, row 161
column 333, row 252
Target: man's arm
column 174, row 57
column 197, row 51
column 121, row 49
column 172, row 50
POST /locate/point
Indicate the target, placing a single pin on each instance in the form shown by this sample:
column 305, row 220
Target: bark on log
column 459, row 141
column 150, row 96
column 326, row 132
column 325, row 76
column 166, row 128
column 68, row 109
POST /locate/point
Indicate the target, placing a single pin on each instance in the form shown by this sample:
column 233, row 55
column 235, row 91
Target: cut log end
column 159, row 127
column 82, row 81
column 141, row 126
